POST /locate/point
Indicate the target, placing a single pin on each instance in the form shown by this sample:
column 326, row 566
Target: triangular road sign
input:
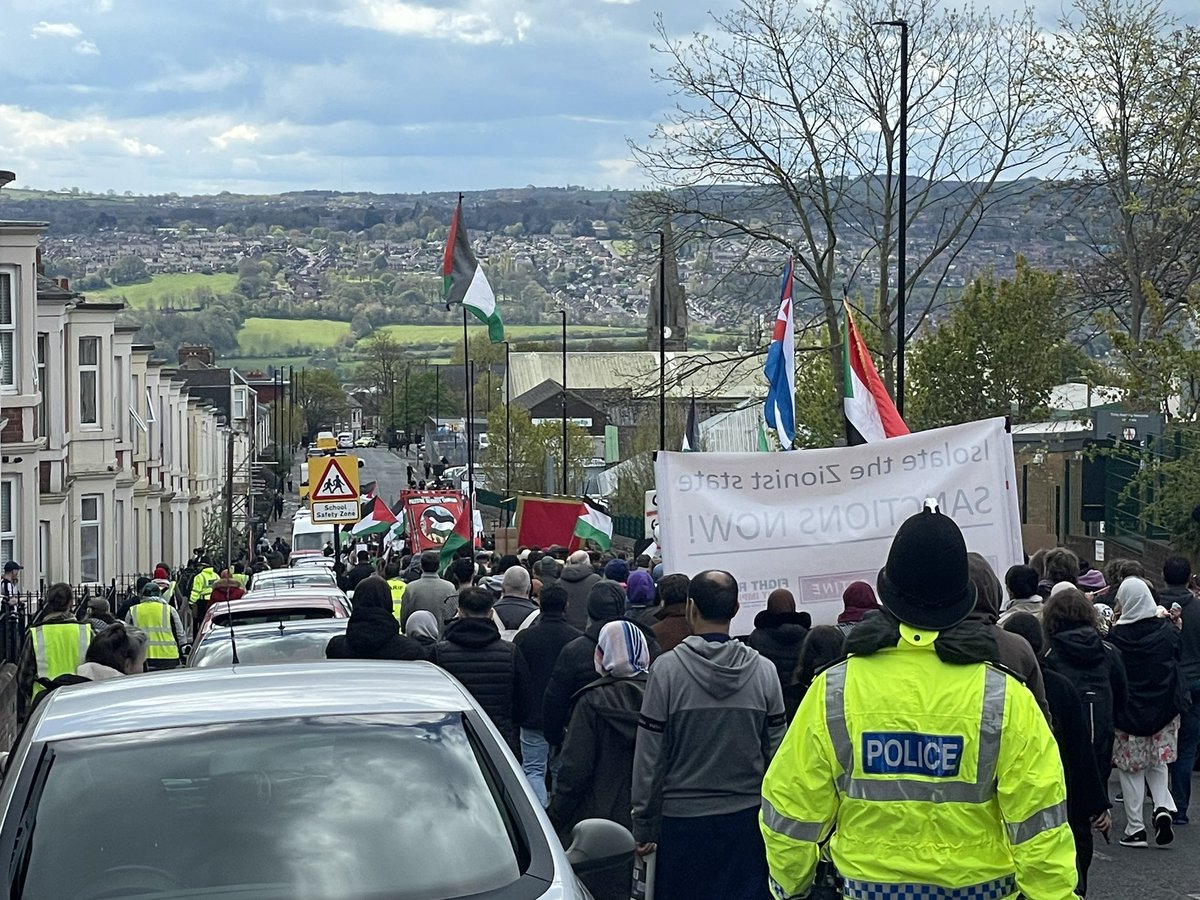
column 336, row 483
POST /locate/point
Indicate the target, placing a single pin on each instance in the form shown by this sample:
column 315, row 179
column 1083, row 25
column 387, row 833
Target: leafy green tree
column 999, row 352
column 532, row 445
column 321, row 399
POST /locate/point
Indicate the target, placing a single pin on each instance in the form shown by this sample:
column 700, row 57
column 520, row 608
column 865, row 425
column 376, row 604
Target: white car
column 345, row 441
column 325, row 780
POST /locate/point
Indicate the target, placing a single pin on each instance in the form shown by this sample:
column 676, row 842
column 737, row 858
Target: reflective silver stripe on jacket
column 983, row 789
column 789, row 827
column 39, row 647
column 1042, row 820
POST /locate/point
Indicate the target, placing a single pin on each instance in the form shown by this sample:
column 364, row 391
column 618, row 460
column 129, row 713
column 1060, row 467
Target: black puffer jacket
column 576, row 667
column 374, row 634
column 491, row 669
column 596, row 778
column 540, row 644
column 577, row 579
column 1095, row 670
column 778, row 637
column 1150, row 651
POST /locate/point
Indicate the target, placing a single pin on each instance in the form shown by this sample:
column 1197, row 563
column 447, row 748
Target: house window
column 8, row 331
column 119, row 528
column 89, row 381
column 90, row 512
column 8, row 520
column 43, row 416
column 239, row 403
column 44, row 548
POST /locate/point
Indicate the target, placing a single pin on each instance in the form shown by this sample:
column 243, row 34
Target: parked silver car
column 355, row 781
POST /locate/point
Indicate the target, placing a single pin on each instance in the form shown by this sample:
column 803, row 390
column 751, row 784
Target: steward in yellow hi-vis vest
column 928, row 771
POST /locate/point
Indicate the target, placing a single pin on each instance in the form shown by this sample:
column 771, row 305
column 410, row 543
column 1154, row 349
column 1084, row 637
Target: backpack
column 507, row 634
column 1094, row 687
column 52, row 684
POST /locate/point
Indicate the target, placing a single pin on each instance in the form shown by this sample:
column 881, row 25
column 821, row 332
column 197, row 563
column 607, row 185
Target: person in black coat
column 1087, row 798
column 364, row 569
column 576, row 667
column 1093, row 666
column 492, row 670
column 372, row 631
column 1148, row 724
column 540, row 644
column 596, row 777
column 779, row 632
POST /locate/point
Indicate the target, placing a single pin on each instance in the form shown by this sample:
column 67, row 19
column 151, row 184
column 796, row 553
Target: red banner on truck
column 429, row 517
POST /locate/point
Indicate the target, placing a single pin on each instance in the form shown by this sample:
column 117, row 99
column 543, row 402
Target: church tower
column 676, row 318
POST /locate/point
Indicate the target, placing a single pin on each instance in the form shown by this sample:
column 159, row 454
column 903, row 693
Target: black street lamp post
column 902, row 255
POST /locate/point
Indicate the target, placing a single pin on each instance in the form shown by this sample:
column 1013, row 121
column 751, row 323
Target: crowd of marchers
column 908, row 750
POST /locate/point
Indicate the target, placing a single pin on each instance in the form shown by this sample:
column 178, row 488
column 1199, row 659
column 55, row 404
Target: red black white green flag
column 463, row 279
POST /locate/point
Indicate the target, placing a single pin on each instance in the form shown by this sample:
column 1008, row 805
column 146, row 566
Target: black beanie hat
column 606, row 602
column 926, row 583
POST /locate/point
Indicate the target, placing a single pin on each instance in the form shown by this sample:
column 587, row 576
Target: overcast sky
column 382, row 95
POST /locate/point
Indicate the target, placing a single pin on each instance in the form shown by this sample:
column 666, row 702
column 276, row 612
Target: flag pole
column 468, row 372
column 564, row 399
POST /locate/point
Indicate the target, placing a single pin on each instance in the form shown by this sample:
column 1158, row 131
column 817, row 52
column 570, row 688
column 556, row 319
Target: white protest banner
column 813, row 521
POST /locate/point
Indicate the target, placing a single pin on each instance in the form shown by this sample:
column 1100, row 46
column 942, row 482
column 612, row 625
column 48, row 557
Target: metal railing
column 24, row 610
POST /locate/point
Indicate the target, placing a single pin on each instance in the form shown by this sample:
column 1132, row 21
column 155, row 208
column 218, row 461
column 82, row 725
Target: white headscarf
column 1136, row 601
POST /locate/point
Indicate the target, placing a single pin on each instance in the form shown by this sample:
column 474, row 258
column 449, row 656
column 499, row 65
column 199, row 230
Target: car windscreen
column 266, row 616
column 310, row 540
column 342, row 807
column 262, row 647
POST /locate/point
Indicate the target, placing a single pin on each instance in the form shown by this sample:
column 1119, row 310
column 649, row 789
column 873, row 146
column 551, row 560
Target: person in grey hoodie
column 1177, row 572
column 710, row 723
column 577, row 577
column 431, row 592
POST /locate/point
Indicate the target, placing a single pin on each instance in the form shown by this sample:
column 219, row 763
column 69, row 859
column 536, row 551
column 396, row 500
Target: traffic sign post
column 333, row 492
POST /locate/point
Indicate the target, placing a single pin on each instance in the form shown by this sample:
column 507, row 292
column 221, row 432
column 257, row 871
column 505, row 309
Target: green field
column 276, row 337
column 449, row 335
column 159, row 286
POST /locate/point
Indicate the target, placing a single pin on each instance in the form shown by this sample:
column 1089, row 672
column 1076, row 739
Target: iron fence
column 22, row 611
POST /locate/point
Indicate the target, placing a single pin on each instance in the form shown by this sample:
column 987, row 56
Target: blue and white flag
column 779, row 411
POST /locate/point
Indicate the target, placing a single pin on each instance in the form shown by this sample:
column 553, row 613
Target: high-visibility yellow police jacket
column 59, row 648
column 202, row 584
column 397, row 587
column 154, row 618
column 943, row 781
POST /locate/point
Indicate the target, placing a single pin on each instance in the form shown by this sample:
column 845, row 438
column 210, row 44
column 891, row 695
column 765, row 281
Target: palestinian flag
column 460, row 537
column 868, row 406
column 463, row 280
column 378, row 521
column 594, row 525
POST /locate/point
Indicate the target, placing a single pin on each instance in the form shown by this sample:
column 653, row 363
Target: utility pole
column 507, row 422
column 902, row 254
column 662, row 340
column 229, row 495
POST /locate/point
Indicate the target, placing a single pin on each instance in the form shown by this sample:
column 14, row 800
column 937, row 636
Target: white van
column 345, row 441
column 309, row 538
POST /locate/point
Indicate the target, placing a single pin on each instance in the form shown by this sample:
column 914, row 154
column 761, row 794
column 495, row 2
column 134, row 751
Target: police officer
column 397, row 585
column 928, row 770
column 202, row 585
column 154, row 615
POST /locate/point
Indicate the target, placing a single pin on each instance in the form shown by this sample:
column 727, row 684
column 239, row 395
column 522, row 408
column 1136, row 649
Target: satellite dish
column 667, row 332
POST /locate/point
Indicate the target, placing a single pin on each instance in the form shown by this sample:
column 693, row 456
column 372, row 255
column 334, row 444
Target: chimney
column 64, row 283
column 194, row 356
column 41, row 269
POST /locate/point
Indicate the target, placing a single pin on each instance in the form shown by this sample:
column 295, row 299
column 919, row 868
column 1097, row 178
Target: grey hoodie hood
column 720, row 667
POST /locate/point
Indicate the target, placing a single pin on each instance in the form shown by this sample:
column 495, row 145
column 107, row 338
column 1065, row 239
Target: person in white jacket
column 117, row 650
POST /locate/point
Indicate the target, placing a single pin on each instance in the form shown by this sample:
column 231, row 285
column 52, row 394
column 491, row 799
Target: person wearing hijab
column 858, row 600
column 423, row 628
column 595, row 780
column 1147, row 725
column 373, row 632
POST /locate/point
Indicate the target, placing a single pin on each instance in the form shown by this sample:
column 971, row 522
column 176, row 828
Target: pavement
column 1154, row 873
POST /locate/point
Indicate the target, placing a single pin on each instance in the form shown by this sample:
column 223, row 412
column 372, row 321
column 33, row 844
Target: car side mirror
column 598, row 845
